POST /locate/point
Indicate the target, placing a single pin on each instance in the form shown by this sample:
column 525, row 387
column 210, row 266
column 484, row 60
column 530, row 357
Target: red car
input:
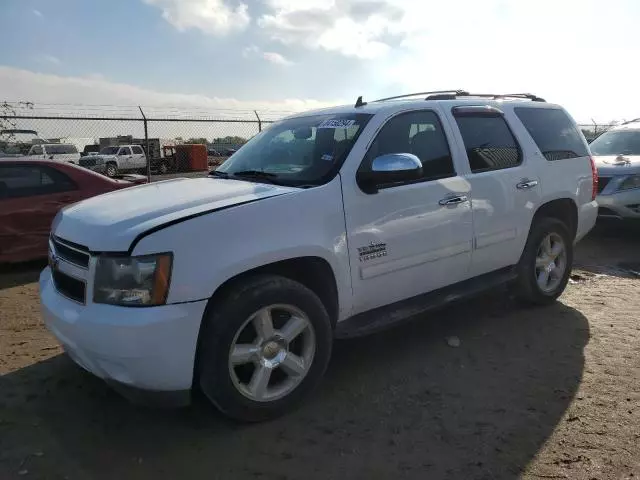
column 32, row 192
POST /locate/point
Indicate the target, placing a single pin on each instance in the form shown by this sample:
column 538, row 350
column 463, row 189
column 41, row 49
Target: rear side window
column 489, row 143
column 554, row 133
column 137, row 150
column 124, row 151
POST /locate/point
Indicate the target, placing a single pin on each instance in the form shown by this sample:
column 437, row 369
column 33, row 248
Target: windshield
column 620, row 142
column 109, row 150
column 61, row 149
column 299, row 151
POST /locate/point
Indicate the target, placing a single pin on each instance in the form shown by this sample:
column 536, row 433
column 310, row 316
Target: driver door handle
column 526, row 184
column 453, row 200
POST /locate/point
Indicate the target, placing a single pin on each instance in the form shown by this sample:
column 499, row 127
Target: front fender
column 211, row 249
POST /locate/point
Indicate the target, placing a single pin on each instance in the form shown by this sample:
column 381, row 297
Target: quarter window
column 419, row 133
column 137, row 150
column 554, row 132
column 489, row 143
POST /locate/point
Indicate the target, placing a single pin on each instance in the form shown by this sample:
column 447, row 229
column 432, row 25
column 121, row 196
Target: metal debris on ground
column 453, row 342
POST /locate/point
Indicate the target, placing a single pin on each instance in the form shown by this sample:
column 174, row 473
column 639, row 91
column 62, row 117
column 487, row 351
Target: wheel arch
column 313, row 272
column 563, row 209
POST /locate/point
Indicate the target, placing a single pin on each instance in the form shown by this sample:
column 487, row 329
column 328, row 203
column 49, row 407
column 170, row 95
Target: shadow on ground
column 611, row 249
column 18, row 274
column 400, row 404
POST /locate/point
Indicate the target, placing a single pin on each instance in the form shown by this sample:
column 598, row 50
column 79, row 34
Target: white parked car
column 119, row 158
column 63, row 152
column 333, row 223
column 617, row 157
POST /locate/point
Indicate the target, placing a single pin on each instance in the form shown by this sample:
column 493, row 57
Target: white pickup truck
column 332, row 223
column 62, row 152
column 118, row 158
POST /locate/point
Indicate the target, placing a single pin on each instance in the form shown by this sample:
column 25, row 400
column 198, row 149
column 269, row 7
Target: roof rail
column 436, row 92
column 528, row 96
column 453, row 94
column 635, row 120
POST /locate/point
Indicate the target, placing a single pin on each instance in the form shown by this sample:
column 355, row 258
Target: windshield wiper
column 215, row 173
column 256, row 174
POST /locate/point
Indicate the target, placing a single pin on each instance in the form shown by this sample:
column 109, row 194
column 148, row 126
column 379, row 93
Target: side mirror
column 50, row 157
column 388, row 169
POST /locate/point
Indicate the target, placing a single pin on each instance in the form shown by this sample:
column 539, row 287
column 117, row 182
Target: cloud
column 18, row 84
column 213, row 17
column 45, row 58
column 276, row 58
column 272, row 57
column 358, row 28
column 37, row 13
column 250, row 51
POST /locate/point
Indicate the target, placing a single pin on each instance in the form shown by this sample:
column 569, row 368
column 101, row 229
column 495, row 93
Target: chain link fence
column 172, row 143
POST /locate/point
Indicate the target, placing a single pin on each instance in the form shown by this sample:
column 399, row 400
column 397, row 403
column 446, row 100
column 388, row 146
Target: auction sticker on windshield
column 337, row 123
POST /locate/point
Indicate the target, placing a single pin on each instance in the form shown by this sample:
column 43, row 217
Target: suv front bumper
column 617, row 205
column 147, row 354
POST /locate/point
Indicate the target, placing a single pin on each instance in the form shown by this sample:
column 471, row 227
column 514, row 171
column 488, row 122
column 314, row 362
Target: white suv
column 333, row 223
column 63, row 152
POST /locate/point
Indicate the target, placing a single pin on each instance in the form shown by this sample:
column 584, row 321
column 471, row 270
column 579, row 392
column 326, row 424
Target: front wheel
column 263, row 348
column 111, row 170
column 545, row 265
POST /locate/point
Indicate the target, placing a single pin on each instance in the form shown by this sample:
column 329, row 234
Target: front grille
column 602, row 183
column 71, row 252
column 87, row 162
column 607, row 212
column 70, row 287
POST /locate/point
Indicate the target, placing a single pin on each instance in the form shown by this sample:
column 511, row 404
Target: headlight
column 133, row 281
column 632, row 181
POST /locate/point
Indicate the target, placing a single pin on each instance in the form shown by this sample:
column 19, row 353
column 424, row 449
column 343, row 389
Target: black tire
column 527, row 289
column 225, row 318
column 111, row 170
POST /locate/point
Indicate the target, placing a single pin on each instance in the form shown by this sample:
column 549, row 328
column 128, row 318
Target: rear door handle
column 454, row 200
column 527, row 184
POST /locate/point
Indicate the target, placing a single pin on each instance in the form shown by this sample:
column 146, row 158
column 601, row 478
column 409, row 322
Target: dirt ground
column 529, row 393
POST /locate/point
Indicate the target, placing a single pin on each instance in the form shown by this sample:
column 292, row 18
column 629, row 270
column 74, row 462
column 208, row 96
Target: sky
column 292, row 55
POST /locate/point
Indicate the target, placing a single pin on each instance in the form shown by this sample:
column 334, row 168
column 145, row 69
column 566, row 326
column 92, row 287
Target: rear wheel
column 545, row 265
column 263, row 348
column 111, row 170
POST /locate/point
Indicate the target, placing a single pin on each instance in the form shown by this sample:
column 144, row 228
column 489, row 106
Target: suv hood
column 617, row 165
column 110, row 222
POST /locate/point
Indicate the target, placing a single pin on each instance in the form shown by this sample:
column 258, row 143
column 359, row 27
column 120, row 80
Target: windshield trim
column 364, row 119
column 611, row 133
